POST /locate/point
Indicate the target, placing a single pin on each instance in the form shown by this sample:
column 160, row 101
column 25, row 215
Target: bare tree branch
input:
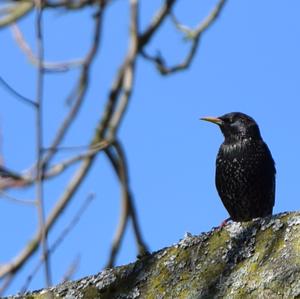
column 103, row 126
column 17, row 95
column 60, row 167
column 192, row 35
column 156, row 22
column 39, row 139
column 142, row 248
column 16, row 12
column 71, row 269
column 82, row 85
column 53, row 171
column 20, row 8
column 73, row 185
column 12, row 199
column 6, row 282
column 106, row 132
column 119, row 163
column 47, row 66
column 120, row 166
column 124, row 214
column 62, row 236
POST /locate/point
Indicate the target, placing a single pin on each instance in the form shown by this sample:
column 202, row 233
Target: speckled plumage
column 245, row 170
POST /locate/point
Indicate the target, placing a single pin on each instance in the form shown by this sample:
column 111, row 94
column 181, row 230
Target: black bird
column 245, row 169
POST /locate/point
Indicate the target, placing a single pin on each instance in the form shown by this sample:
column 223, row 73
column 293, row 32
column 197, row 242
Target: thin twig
column 17, row 95
column 128, row 77
column 39, row 140
column 193, row 35
column 82, row 85
column 18, row 11
column 47, row 66
column 73, row 5
column 71, row 269
column 124, row 214
column 60, row 167
column 73, row 222
column 155, row 23
column 6, row 283
column 208, row 21
column 118, row 163
column 53, row 171
column 12, row 199
column 142, row 248
column 75, row 147
column 127, row 85
column 61, row 204
column 101, row 130
column 62, row 236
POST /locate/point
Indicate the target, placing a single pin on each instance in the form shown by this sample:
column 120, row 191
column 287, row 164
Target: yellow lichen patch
column 91, row 292
column 217, row 240
column 268, row 244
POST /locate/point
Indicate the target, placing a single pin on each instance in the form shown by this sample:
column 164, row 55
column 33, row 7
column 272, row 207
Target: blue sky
column 247, row 61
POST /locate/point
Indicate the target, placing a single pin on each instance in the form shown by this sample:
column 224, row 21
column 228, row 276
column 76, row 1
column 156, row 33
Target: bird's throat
column 231, row 146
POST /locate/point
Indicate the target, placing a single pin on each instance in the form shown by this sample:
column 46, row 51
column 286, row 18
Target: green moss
column 157, row 282
column 210, row 265
column 163, row 276
column 91, row 292
column 47, row 295
column 269, row 244
column 215, row 267
column 217, row 240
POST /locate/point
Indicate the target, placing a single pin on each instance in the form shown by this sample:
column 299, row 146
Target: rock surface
column 256, row 259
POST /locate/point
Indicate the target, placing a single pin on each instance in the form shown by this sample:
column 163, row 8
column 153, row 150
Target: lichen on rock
column 255, row 259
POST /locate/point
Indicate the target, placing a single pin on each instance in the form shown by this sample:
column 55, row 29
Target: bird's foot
column 224, row 223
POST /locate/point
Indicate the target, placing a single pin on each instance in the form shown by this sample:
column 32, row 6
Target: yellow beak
column 214, row 120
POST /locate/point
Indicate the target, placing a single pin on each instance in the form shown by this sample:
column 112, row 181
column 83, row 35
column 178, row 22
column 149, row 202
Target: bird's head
column 236, row 126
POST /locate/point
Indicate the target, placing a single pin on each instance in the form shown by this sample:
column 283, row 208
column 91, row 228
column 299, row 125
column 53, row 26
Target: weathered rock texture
column 257, row 259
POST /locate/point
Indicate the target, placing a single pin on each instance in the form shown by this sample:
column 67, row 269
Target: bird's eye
column 230, row 121
column 226, row 120
column 235, row 122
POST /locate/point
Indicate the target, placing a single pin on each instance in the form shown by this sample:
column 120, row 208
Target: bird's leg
column 224, row 222
column 219, row 228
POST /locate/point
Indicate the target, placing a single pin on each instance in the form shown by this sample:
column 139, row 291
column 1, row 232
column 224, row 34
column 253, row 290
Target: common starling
column 245, row 169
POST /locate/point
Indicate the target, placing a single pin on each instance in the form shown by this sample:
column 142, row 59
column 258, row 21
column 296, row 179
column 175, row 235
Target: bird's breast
column 244, row 160
column 239, row 158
